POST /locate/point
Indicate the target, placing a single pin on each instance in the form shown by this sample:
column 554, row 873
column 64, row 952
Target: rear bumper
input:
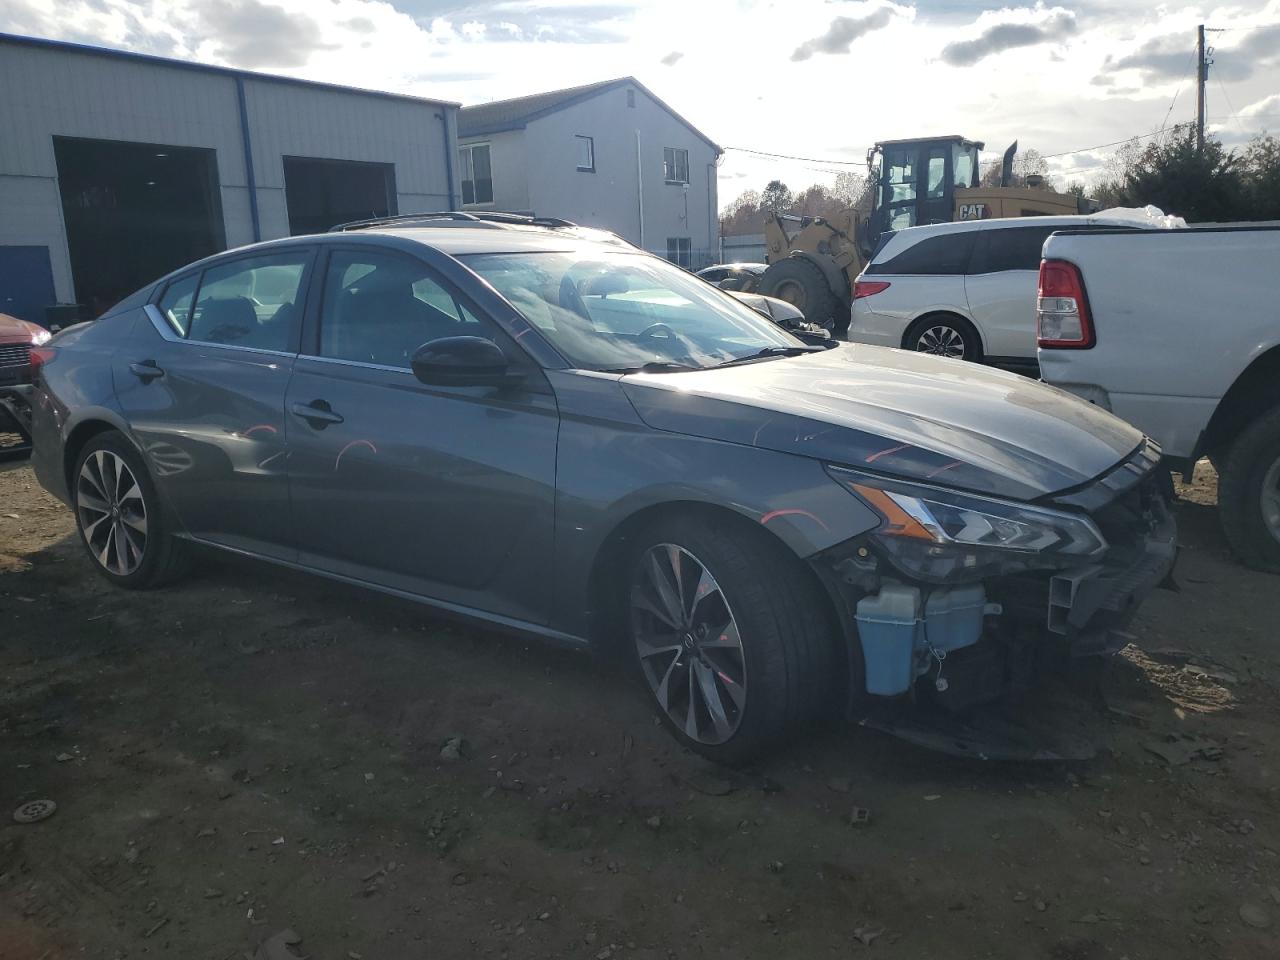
column 867, row 326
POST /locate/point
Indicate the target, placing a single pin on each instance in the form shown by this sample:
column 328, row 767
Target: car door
column 202, row 384
column 444, row 492
column 1001, row 288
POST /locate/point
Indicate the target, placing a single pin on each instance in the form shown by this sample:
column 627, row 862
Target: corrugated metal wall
column 48, row 91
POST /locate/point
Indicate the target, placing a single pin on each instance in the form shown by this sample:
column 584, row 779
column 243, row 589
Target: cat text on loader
column 925, row 180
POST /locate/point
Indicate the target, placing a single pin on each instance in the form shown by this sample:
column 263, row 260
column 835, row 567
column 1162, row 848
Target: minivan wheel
column 119, row 518
column 944, row 335
column 728, row 635
column 1249, row 494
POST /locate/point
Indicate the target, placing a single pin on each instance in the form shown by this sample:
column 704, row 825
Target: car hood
column 13, row 330
column 901, row 414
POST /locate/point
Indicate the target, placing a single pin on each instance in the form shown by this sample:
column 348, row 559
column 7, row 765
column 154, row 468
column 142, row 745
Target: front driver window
column 380, row 308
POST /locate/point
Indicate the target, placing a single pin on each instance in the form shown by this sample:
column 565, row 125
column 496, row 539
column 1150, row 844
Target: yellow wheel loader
column 925, row 180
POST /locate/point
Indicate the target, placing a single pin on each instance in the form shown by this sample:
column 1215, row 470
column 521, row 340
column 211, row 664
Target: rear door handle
column 146, row 370
column 318, row 413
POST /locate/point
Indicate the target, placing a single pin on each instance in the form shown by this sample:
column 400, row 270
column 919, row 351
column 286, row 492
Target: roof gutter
column 251, row 180
column 449, row 149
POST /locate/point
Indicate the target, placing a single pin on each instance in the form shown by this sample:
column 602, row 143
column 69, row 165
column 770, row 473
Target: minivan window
column 947, row 254
column 252, row 302
column 1010, row 248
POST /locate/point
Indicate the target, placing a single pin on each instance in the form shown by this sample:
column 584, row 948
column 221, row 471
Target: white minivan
column 964, row 290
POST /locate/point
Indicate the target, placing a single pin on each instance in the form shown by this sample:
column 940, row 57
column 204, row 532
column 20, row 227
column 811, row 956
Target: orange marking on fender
column 792, row 513
column 884, row 453
column 945, row 467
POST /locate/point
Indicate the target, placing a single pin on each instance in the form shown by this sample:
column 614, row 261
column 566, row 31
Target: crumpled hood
column 897, row 413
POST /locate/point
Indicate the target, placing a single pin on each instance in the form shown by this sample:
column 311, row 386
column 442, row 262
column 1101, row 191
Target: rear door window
column 175, row 305
column 1012, row 248
column 252, row 302
column 947, row 254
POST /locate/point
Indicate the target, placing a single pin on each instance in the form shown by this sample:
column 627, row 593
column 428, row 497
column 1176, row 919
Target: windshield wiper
column 655, row 366
column 773, row 352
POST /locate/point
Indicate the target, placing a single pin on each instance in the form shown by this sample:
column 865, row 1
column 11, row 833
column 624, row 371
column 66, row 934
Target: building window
column 586, row 153
column 631, row 98
column 675, row 165
column 477, row 174
column 680, row 251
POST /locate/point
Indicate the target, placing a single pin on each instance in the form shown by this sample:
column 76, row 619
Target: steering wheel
column 654, row 328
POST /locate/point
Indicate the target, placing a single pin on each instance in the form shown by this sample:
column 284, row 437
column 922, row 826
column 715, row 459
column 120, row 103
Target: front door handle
column 318, row 413
column 146, row 370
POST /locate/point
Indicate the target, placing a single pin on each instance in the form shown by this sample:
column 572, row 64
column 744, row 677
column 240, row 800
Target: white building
column 117, row 167
column 608, row 155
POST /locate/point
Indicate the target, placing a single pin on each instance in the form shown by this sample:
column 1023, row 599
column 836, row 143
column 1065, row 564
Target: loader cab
column 916, row 180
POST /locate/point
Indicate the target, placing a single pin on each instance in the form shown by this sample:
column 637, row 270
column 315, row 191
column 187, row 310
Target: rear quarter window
column 1013, row 248
column 947, row 254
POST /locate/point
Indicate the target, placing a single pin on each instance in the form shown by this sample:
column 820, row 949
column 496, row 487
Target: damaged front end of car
column 958, row 599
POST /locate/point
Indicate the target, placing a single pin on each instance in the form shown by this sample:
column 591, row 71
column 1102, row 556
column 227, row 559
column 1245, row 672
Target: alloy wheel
column 113, row 514
column 1271, row 499
column 688, row 643
column 943, row 341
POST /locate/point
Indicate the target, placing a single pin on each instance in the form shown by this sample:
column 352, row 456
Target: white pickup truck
column 1178, row 332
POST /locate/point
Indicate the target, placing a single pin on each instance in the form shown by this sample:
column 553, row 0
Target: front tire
column 944, row 335
column 728, row 635
column 119, row 518
column 1249, row 494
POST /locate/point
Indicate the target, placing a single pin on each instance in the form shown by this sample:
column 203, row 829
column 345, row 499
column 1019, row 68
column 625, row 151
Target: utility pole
column 1202, row 75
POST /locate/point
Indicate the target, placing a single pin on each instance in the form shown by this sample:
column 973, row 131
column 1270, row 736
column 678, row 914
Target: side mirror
column 461, row 362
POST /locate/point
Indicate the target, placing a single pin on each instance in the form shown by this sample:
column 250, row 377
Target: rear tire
column 945, row 335
column 728, row 701
column 803, row 285
column 119, row 518
column 1249, row 493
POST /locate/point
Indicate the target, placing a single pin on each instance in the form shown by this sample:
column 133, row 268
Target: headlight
column 40, row 338
column 944, row 536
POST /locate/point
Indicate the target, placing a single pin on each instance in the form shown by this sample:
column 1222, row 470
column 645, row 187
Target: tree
column 776, row 197
column 1261, row 165
column 1175, row 175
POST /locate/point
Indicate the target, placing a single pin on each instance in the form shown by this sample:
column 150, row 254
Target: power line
column 784, row 156
column 1169, row 112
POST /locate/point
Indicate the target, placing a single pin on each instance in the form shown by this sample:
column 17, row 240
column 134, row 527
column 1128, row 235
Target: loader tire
column 803, row 285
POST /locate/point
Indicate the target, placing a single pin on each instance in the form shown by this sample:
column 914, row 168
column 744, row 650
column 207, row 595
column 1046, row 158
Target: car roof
column 460, row 241
column 900, row 240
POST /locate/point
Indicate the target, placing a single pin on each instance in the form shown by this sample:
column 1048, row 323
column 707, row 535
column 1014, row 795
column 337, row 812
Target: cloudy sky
column 815, row 79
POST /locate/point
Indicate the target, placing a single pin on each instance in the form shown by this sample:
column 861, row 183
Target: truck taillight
column 1062, row 309
column 867, row 288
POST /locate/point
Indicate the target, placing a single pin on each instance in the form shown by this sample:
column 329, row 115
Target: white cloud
column 735, row 80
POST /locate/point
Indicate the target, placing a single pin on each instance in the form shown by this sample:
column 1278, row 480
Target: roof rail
column 450, row 217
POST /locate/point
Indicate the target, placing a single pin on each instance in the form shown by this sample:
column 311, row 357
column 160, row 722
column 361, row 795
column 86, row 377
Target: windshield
column 621, row 311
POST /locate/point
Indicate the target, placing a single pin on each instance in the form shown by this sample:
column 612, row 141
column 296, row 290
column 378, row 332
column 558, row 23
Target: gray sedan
column 545, row 429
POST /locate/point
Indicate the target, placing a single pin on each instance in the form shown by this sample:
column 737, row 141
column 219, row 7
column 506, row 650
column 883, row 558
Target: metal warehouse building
column 118, row 167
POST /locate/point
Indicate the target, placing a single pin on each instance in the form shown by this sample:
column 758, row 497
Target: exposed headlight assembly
column 944, row 536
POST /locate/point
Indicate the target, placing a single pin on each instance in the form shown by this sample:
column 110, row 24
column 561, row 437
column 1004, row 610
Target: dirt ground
column 252, row 751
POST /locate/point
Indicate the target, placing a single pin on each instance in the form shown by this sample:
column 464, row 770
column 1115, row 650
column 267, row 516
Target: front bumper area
column 957, row 645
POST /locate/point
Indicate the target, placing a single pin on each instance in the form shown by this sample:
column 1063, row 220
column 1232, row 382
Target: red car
column 17, row 337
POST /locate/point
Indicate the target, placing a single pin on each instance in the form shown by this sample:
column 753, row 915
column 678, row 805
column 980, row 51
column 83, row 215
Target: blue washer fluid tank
column 898, row 628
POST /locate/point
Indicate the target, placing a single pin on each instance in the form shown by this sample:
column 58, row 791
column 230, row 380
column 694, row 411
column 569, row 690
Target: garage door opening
column 321, row 193
column 134, row 211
